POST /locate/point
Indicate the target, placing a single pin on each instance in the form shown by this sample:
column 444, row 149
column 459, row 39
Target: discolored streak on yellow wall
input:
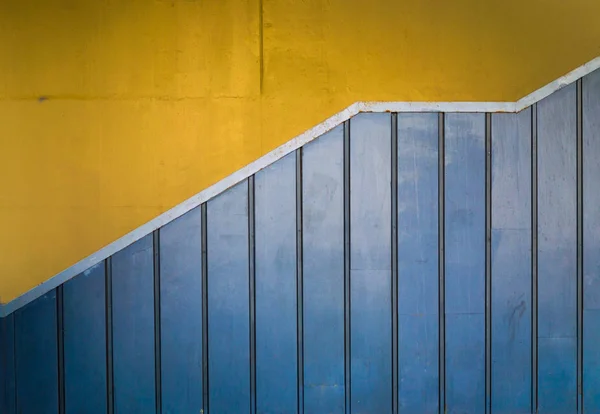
column 113, row 111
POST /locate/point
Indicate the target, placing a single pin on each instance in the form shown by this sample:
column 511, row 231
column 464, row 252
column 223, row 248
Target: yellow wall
column 112, row 111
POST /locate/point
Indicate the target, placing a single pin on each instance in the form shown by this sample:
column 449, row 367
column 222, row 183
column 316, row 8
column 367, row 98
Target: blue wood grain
column 133, row 328
column 7, row 365
column 511, row 263
column 4, row 355
column 181, row 314
column 28, row 338
column 557, row 375
column 36, row 355
column 370, row 275
column 465, row 263
column 591, row 246
column 228, row 307
column 276, row 350
column 591, row 365
column 465, row 363
column 418, row 360
column 84, row 312
column 323, row 270
column 418, row 263
column 557, row 252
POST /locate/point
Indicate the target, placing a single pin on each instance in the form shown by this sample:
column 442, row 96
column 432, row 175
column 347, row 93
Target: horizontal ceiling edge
column 280, row 152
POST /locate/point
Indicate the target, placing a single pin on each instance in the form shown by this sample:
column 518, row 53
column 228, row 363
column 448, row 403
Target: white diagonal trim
column 280, row 152
column 557, row 84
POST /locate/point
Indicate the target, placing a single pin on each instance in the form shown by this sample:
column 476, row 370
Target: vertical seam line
column 580, row 286
column 347, row 258
column 252, row 290
column 299, row 282
column 534, row 261
column 157, row 332
column 394, row 259
column 204, row 276
column 488, row 263
column 441, row 265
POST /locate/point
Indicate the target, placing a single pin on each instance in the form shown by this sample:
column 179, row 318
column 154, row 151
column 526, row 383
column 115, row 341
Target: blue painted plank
column 557, row 252
column 465, row 363
column 418, row 360
column 276, row 312
column 4, row 362
column 181, row 314
column 511, row 263
column 7, row 365
column 418, row 263
column 465, row 262
column 591, row 361
column 36, row 354
column 4, row 355
column 84, row 312
column 557, row 377
column 370, row 274
column 228, row 306
column 133, row 328
column 323, row 272
column 591, row 246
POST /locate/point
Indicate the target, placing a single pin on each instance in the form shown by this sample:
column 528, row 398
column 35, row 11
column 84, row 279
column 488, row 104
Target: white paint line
column 179, row 210
column 557, row 84
column 280, row 152
column 436, row 106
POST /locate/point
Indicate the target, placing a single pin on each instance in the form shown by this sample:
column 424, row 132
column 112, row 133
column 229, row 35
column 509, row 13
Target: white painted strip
column 179, row 210
column 559, row 83
column 280, row 152
column 436, row 106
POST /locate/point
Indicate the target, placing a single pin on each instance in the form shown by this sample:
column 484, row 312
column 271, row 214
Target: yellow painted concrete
column 112, row 111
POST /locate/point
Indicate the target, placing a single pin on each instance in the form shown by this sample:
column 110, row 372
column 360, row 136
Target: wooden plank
column 181, row 314
column 465, row 262
column 7, row 365
column 511, row 263
column 133, row 328
column 370, row 285
column 591, row 376
column 36, row 356
column 276, row 329
column 228, row 302
column 84, row 312
column 557, row 252
column 323, row 272
column 591, row 246
column 418, row 262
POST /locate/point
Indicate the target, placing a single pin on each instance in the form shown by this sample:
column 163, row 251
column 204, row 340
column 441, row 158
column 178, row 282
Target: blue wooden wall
column 401, row 263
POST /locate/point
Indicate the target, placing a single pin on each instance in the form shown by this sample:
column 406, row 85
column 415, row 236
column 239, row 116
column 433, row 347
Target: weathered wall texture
column 412, row 263
column 113, row 111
